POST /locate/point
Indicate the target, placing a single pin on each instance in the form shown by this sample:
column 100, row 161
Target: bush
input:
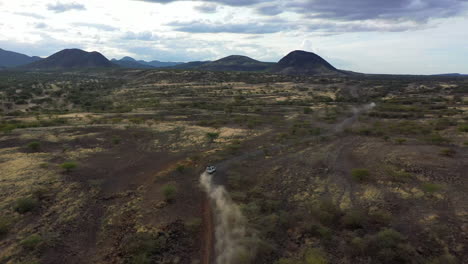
column 169, row 192
column 69, row 166
column 360, row 175
column 315, row 256
column 437, row 139
column 388, row 238
column 139, row 247
column 212, row 136
column 326, row 212
column 26, row 204
column 180, row 168
column 116, row 140
column 447, row 152
column 463, row 128
column 31, row 242
column 193, row 224
column 444, row 259
column 5, row 225
column 34, row 146
column 400, row 140
column 354, row 219
column 431, row 187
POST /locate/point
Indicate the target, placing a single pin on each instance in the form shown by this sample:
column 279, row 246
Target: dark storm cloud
column 241, row 28
column 64, row 7
column 207, row 8
column 345, row 10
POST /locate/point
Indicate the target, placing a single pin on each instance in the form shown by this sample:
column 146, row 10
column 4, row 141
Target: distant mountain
column 451, row 74
column 304, row 63
column 72, row 59
column 235, row 63
column 126, row 63
column 129, row 62
column 190, row 65
column 14, row 59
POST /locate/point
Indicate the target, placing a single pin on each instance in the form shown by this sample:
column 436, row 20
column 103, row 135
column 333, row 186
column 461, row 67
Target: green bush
column 116, row 140
column 437, row 139
column 139, row 247
column 354, row 219
column 431, row 187
column 180, row 168
column 34, row 146
column 69, row 166
column 169, row 192
column 5, row 225
column 25, row 204
column 360, row 175
column 315, row 256
column 193, row 224
column 447, row 152
column 444, row 259
column 388, row 238
column 463, row 128
column 400, row 140
column 212, row 136
column 31, row 242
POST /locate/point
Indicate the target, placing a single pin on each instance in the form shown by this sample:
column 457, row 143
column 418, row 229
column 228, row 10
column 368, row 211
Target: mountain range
column 14, row 59
column 295, row 63
column 129, row 62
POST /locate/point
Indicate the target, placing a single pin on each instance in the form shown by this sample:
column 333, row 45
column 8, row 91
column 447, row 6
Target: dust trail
column 357, row 111
column 232, row 237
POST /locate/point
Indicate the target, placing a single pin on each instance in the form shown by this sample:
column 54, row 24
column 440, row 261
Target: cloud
column 223, row 2
column 94, row 25
column 345, row 10
column 144, row 36
column 26, row 14
column 238, row 28
column 64, row 7
column 207, row 8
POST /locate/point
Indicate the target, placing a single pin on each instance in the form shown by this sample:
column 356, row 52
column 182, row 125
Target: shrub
column 69, row 166
column 212, row 136
column 400, row 140
column 387, row 238
column 463, row 128
column 444, row 259
column 360, row 175
column 437, row 139
column 180, row 168
column 193, row 224
column 326, row 212
column 354, row 219
column 447, row 152
column 307, row 110
column 31, row 242
column 169, row 192
column 315, row 256
column 26, row 204
column 139, row 247
column 358, row 246
column 116, row 140
column 431, row 187
column 5, row 225
column 34, row 146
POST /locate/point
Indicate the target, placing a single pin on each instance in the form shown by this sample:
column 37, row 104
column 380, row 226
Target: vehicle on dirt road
column 211, row 169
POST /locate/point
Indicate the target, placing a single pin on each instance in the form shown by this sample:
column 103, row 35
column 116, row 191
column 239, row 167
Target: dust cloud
column 231, row 234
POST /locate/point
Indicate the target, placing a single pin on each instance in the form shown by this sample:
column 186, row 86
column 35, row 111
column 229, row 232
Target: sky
column 370, row 36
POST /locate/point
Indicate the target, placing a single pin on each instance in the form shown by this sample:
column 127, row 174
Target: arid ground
column 103, row 166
